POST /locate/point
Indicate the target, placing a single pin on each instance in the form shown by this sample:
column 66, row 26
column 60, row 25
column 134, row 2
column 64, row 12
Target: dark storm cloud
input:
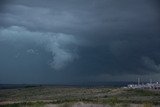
column 97, row 37
column 56, row 43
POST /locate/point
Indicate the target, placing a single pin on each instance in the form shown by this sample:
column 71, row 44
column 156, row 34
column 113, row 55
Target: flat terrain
column 52, row 94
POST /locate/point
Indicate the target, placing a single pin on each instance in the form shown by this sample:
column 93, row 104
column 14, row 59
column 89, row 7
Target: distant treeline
column 86, row 84
column 15, row 86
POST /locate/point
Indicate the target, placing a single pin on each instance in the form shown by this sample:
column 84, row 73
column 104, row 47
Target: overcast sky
column 72, row 41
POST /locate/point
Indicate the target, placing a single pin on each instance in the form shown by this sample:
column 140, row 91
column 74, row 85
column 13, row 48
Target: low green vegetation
column 139, row 92
column 48, row 94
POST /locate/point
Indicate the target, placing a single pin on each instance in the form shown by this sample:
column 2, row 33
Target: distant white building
column 155, row 86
